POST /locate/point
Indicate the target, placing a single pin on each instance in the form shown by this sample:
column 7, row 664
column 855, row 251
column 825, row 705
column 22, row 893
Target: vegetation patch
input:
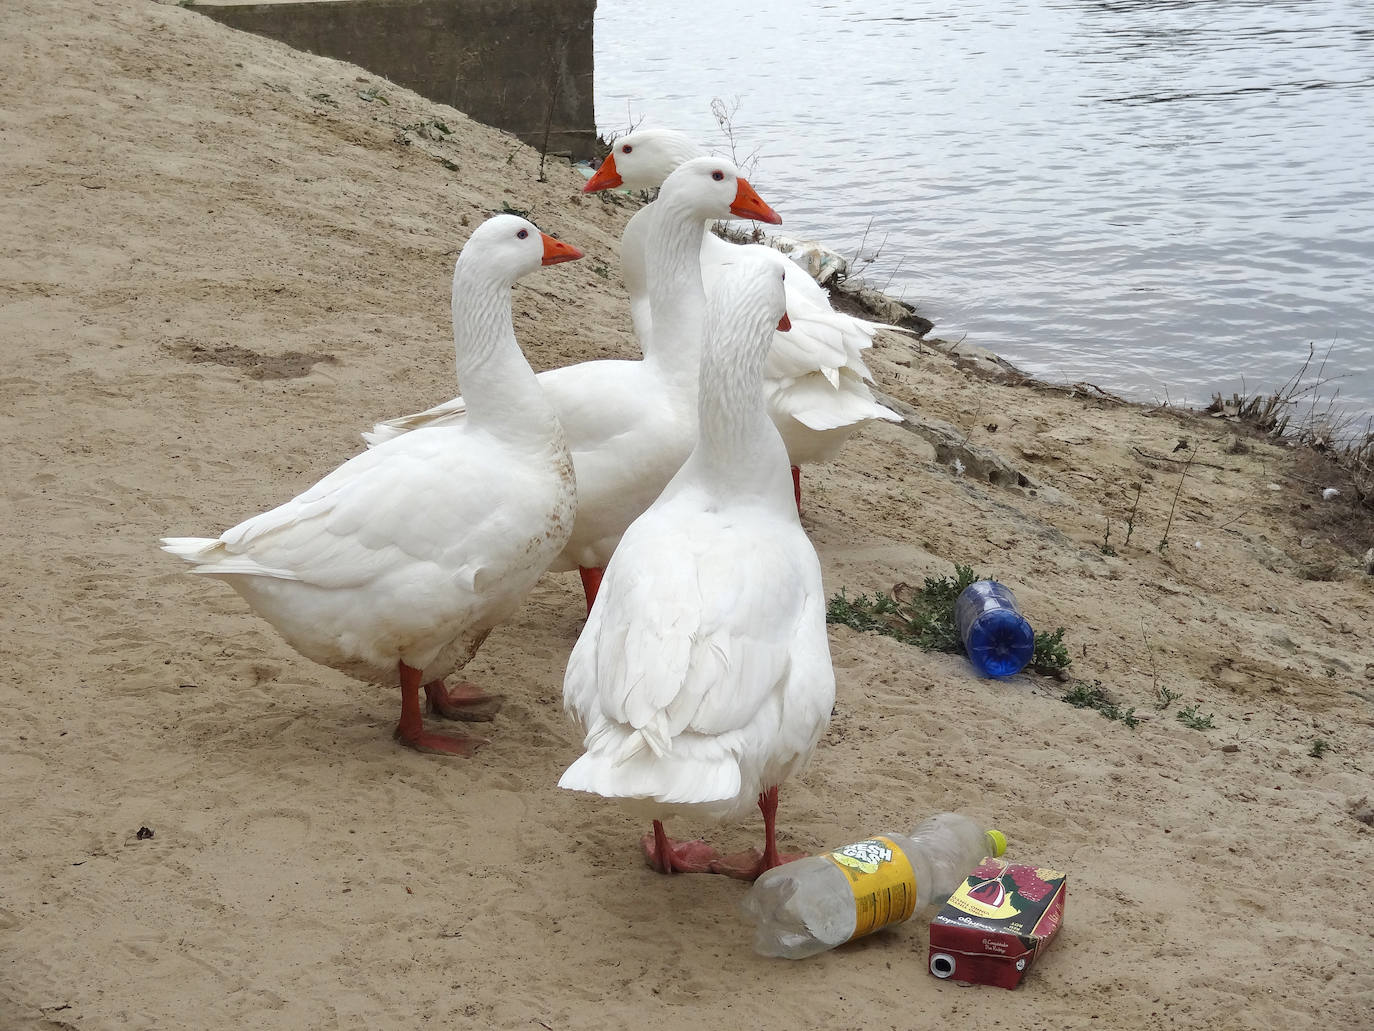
column 1083, row 695
column 1335, row 448
column 924, row 616
column 1191, row 717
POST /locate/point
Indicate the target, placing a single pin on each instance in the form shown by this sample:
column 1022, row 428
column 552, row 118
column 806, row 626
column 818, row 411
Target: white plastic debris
column 1329, row 492
column 1275, row 486
column 958, row 467
column 820, row 262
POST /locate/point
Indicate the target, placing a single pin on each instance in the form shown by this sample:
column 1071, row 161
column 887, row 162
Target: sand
column 220, row 261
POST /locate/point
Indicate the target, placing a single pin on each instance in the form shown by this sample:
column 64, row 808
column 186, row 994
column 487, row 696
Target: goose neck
column 497, row 383
column 737, row 445
column 676, row 296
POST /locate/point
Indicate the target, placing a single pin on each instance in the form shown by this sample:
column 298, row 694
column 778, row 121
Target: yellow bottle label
column 882, row 880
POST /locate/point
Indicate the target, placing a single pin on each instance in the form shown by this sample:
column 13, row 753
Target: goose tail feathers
column 210, row 558
column 625, row 763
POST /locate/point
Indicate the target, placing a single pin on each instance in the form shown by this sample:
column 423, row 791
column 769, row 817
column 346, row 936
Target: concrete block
column 520, row 65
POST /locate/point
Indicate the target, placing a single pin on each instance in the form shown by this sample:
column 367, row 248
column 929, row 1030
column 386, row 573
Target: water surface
column 1163, row 198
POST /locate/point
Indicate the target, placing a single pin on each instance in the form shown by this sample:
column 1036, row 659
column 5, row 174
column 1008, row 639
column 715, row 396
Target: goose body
column 815, row 379
column 394, row 567
column 630, row 424
column 702, row 678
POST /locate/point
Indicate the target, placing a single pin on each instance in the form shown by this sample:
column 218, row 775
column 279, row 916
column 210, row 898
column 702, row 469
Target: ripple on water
column 1151, row 194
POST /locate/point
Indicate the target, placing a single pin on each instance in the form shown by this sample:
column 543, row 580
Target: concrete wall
column 502, row 62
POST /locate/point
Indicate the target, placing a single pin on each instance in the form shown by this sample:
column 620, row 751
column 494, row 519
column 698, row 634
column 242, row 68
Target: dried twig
column 556, row 62
column 1164, row 541
column 1130, row 519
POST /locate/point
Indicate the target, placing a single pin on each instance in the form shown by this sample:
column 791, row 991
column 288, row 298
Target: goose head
column 753, row 295
column 781, row 266
column 642, row 159
column 509, row 247
column 711, row 187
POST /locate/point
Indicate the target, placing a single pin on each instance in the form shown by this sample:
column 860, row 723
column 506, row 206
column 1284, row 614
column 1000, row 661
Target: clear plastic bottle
column 813, row 904
column 996, row 636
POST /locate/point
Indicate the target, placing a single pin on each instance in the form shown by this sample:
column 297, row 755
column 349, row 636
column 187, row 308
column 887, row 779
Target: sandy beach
column 221, row 260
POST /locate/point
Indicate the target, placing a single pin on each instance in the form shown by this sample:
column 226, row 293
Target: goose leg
column 750, row 864
column 591, row 583
column 462, row 701
column 668, row 856
column 410, row 731
column 796, row 486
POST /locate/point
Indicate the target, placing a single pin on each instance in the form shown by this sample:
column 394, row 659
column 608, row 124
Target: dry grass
column 1305, row 414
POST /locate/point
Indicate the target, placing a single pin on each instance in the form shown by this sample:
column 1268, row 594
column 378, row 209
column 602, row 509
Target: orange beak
column 784, row 323
column 748, row 204
column 606, row 177
column 556, row 251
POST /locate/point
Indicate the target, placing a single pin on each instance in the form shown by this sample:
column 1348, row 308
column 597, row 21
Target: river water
column 1163, row 197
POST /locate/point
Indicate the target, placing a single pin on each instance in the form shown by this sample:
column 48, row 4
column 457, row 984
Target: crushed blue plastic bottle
column 997, row 638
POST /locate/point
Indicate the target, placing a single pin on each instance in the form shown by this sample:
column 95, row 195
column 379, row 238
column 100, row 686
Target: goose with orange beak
column 703, row 679
column 815, row 379
column 631, row 424
column 395, row 567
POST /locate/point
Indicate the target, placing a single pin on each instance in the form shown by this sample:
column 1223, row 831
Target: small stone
column 1230, row 748
column 144, row 833
column 1308, row 541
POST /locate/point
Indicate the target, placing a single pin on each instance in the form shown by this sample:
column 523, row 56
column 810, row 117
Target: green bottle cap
column 997, row 842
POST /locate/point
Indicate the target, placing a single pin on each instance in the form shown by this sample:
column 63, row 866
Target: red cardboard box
column 997, row 923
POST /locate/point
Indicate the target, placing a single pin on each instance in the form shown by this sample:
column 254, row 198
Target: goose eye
column 718, row 175
column 626, row 149
column 523, row 234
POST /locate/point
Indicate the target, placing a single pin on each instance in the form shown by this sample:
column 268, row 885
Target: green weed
column 1164, row 697
column 924, row 617
column 1083, row 695
column 1190, row 717
column 862, row 613
column 1051, row 656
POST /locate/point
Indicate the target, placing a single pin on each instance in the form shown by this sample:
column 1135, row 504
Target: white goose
column 703, row 677
column 815, row 379
column 395, row 566
column 630, row 424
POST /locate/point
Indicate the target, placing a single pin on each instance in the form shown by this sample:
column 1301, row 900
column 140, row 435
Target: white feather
column 822, row 341
column 703, row 674
column 630, row 424
column 412, row 551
